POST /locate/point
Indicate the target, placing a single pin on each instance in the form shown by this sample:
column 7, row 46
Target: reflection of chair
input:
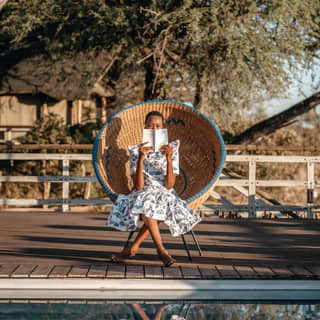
column 201, row 153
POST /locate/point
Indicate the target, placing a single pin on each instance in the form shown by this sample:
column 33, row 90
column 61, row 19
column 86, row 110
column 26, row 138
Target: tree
column 276, row 122
column 220, row 53
column 52, row 130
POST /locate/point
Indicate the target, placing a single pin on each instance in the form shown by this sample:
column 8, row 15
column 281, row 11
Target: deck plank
column 209, row 273
column 153, row 272
column 172, row 273
column 137, row 271
column 190, row 272
column 282, row 272
column 23, row 270
column 315, row 270
column 7, row 269
column 227, row 271
column 264, row 272
column 246, row 272
column 79, row 271
column 59, row 272
column 98, row 271
column 41, row 271
column 116, row 271
column 300, row 271
column 134, row 271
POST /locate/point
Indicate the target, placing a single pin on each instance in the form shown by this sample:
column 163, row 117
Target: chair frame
column 183, row 240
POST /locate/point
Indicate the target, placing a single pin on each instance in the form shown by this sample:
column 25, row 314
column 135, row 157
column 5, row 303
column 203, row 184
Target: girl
column 153, row 198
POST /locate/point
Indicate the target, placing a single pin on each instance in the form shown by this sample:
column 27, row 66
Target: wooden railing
column 7, row 131
column 65, row 179
column 246, row 186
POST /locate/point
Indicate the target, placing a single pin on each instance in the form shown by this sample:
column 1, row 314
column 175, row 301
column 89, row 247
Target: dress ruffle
column 156, row 202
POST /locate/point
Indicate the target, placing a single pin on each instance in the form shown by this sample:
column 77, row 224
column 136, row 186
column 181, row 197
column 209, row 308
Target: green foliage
column 226, row 52
column 83, row 133
column 52, row 130
column 48, row 130
column 59, row 26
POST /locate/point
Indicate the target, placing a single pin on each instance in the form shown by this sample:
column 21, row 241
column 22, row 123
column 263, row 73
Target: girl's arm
column 138, row 178
column 170, row 179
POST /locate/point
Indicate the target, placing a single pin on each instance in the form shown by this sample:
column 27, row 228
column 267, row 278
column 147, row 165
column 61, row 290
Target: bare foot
column 125, row 254
column 166, row 259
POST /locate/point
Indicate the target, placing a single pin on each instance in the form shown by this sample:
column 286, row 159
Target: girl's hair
column 155, row 113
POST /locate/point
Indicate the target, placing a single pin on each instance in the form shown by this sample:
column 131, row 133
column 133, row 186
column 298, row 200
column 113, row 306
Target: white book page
column 155, row 138
column 161, row 138
column 148, row 136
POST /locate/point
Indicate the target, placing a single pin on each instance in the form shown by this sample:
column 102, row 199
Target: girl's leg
column 143, row 233
column 153, row 226
column 131, row 250
column 150, row 226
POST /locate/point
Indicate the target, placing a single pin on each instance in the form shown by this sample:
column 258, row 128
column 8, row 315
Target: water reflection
column 158, row 311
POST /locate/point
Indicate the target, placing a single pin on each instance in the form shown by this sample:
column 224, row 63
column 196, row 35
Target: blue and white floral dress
column 154, row 200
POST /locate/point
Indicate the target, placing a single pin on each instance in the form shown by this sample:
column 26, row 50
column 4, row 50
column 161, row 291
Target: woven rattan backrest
column 201, row 153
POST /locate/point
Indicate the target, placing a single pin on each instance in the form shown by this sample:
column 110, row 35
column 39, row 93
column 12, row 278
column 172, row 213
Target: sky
column 294, row 94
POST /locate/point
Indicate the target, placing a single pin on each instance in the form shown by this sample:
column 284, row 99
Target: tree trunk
column 196, row 100
column 154, row 85
column 149, row 78
column 277, row 121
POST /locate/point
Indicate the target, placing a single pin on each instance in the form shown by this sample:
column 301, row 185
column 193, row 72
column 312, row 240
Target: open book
column 156, row 138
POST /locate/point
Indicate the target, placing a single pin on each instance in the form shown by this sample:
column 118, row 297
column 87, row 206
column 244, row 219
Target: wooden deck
column 78, row 245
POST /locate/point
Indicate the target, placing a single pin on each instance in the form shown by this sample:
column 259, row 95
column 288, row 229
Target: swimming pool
column 125, row 310
column 23, row 298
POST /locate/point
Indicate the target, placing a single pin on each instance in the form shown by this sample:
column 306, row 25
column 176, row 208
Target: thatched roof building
column 69, row 78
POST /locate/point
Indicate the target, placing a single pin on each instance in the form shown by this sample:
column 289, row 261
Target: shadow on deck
column 80, row 244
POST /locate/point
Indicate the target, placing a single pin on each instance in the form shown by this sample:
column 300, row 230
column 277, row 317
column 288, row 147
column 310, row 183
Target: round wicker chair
column 202, row 150
column 201, row 154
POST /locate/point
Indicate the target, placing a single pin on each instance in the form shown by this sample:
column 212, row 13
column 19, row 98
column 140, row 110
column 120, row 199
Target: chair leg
column 196, row 242
column 129, row 237
column 186, row 247
column 184, row 242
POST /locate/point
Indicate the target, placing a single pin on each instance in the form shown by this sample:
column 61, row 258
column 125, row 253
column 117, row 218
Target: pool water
column 158, row 310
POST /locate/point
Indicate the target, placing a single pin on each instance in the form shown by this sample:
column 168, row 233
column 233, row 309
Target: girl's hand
column 167, row 150
column 143, row 151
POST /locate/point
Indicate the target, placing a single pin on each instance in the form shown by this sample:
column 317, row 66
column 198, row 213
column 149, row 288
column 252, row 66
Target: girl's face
column 154, row 122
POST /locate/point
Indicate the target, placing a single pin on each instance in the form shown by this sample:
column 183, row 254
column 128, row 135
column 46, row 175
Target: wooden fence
column 246, row 186
column 6, row 132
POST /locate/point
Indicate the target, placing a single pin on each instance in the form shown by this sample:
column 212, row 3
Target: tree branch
column 277, row 121
column 2, row 4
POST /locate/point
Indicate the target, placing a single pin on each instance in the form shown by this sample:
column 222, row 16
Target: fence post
column 252, row 189
column 46, row 192
column 8, row 135
column 310, row 184
column 65, row 186
column 87, row 188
